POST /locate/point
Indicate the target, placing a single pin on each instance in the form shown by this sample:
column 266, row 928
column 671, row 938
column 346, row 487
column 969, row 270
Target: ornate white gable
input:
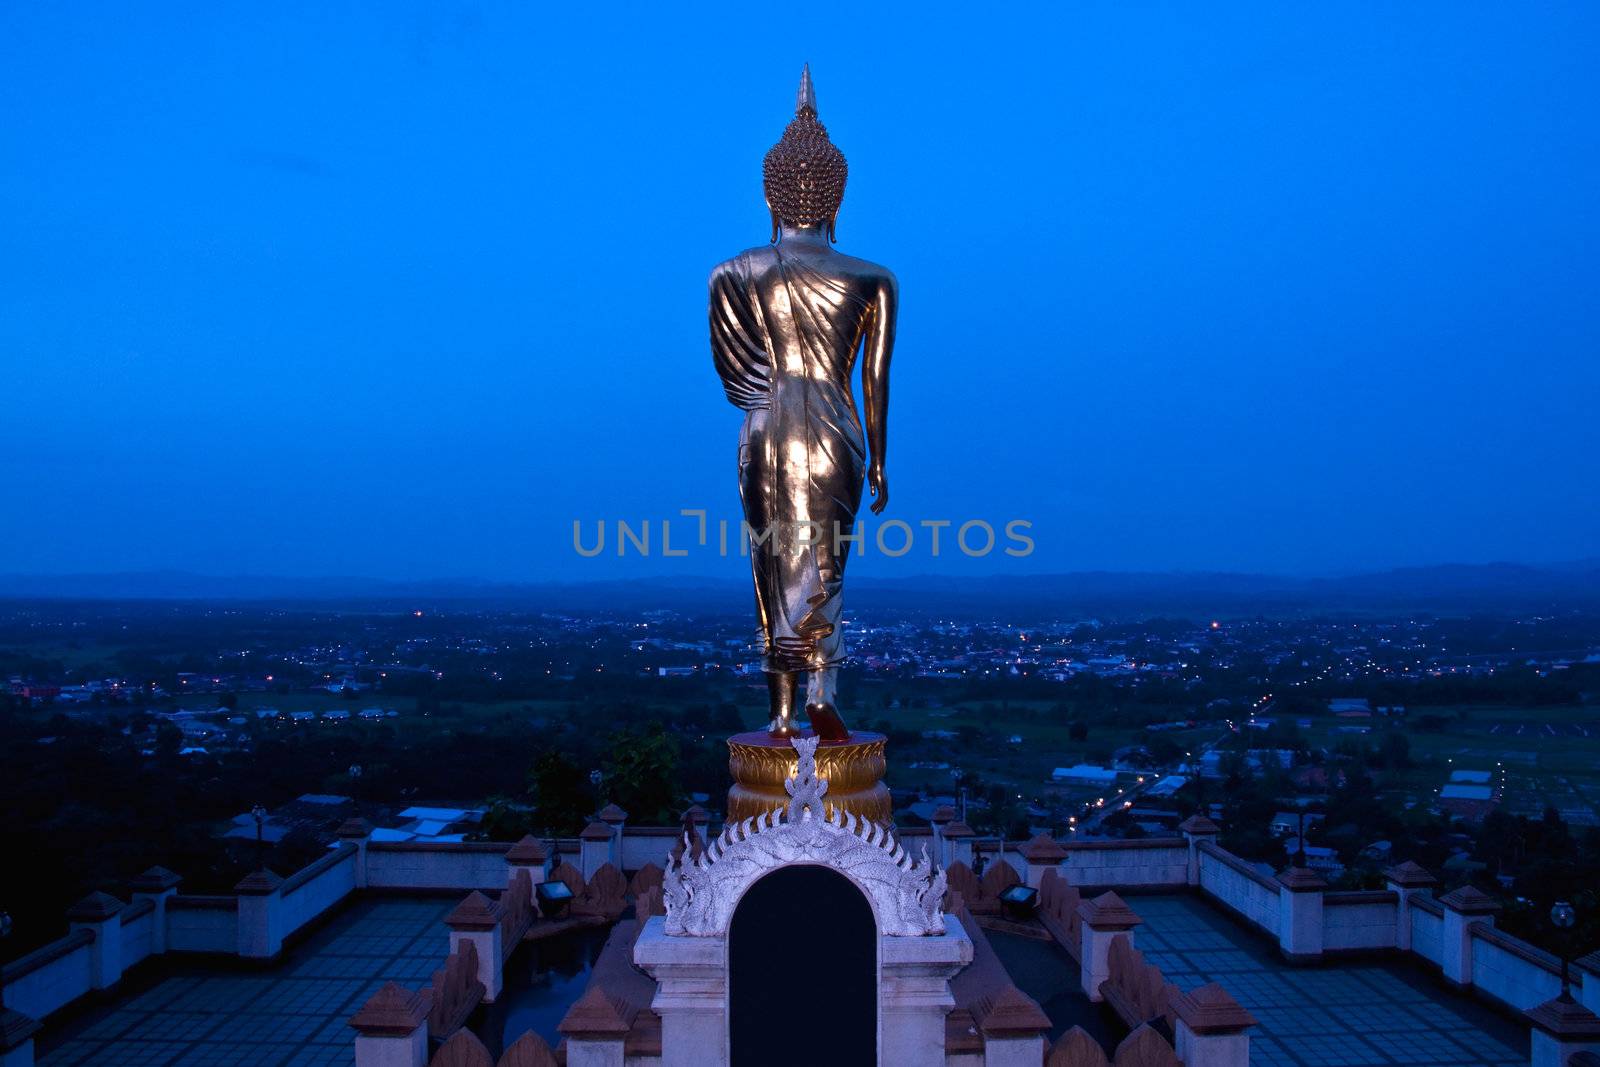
column 907, row 895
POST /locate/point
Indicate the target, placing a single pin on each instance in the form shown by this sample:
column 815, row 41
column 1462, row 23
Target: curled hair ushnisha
column 804, row 173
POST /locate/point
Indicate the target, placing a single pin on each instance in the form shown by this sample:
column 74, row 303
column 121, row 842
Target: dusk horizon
column 910, row 574
column 1448, row 589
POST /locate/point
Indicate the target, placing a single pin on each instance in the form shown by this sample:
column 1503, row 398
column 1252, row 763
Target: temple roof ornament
column 906, row 894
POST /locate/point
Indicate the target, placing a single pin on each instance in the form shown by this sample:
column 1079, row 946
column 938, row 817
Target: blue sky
column 402, row 290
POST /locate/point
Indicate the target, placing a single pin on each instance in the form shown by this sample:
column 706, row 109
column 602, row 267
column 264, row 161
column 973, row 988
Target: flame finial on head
column 806, row 99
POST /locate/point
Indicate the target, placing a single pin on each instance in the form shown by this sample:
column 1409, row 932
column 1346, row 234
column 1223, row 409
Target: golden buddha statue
column 788, row 320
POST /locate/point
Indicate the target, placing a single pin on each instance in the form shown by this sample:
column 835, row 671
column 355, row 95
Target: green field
column 1541, row 757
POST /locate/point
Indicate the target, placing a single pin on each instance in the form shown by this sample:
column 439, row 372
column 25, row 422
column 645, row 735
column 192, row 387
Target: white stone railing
column 1359, row 921
column 50, row 978
column 1239, row 887
column 463, row 865
column 1512, row 971
column 1138, row 863
column 138, row 932
column 306, row 895
column 205, row 924
column 109, row 937
column 646, row 845
column 1455, row 935
column 1427, row 928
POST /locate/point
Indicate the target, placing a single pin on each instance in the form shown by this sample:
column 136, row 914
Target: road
column 1116, row 801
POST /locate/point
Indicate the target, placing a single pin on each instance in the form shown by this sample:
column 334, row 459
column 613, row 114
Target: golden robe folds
column 785, row 330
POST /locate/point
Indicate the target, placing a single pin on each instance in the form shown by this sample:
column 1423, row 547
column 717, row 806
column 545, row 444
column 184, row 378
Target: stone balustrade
column 108, row 937
column 16, row 1038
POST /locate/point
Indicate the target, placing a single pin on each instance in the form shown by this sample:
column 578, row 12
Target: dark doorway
column 803, row 972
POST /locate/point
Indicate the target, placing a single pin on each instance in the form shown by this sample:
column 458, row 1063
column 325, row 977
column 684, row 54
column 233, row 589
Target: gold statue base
column 760, row 764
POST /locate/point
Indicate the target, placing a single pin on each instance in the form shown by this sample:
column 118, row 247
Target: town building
column 1085, row 774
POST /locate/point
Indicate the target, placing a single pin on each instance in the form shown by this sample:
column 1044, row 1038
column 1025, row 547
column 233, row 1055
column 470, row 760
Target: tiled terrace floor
column 1044, row 971
column 292, row 1014
column 1346, row 1015
column 1342, row 1015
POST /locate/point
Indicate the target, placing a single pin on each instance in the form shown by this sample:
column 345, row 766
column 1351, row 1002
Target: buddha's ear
column 833, row 233
column 774, row 215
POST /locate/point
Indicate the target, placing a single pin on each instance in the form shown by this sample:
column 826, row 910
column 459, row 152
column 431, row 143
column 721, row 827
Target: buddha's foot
column 826, row 722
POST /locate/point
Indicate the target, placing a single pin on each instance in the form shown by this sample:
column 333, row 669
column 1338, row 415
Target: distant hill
column 1452, row 588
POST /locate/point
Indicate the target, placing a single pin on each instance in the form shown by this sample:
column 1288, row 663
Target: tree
column 1079, row 731
column 1163, row 750
column 1395, row 750
column 726, row 719
column 504, row 820
column 169, row 739
column 642, row 774
column 561, row 795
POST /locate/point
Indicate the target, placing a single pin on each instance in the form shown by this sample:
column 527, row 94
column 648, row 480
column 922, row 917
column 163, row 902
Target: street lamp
column 260, row 814
column 1564, row 918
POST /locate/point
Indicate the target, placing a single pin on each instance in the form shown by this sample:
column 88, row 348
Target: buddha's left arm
column 875, row 385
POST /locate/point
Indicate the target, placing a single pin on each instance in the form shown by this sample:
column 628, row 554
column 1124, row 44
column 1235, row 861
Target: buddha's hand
column 878, row 483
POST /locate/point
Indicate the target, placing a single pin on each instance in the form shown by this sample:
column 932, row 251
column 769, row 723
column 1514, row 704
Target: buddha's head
column 804, row 173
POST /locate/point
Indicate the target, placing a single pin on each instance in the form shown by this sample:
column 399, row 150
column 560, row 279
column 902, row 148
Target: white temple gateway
column 906, row 945
column 806, row 934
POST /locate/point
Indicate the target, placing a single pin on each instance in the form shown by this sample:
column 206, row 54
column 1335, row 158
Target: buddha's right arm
column 736, row 346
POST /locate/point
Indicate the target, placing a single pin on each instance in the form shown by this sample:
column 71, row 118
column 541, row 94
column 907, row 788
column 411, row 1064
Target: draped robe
column 785, row 330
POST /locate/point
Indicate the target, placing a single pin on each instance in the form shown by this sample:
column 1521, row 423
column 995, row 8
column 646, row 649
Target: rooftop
column 294, row 1014
column 1343, row 1014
